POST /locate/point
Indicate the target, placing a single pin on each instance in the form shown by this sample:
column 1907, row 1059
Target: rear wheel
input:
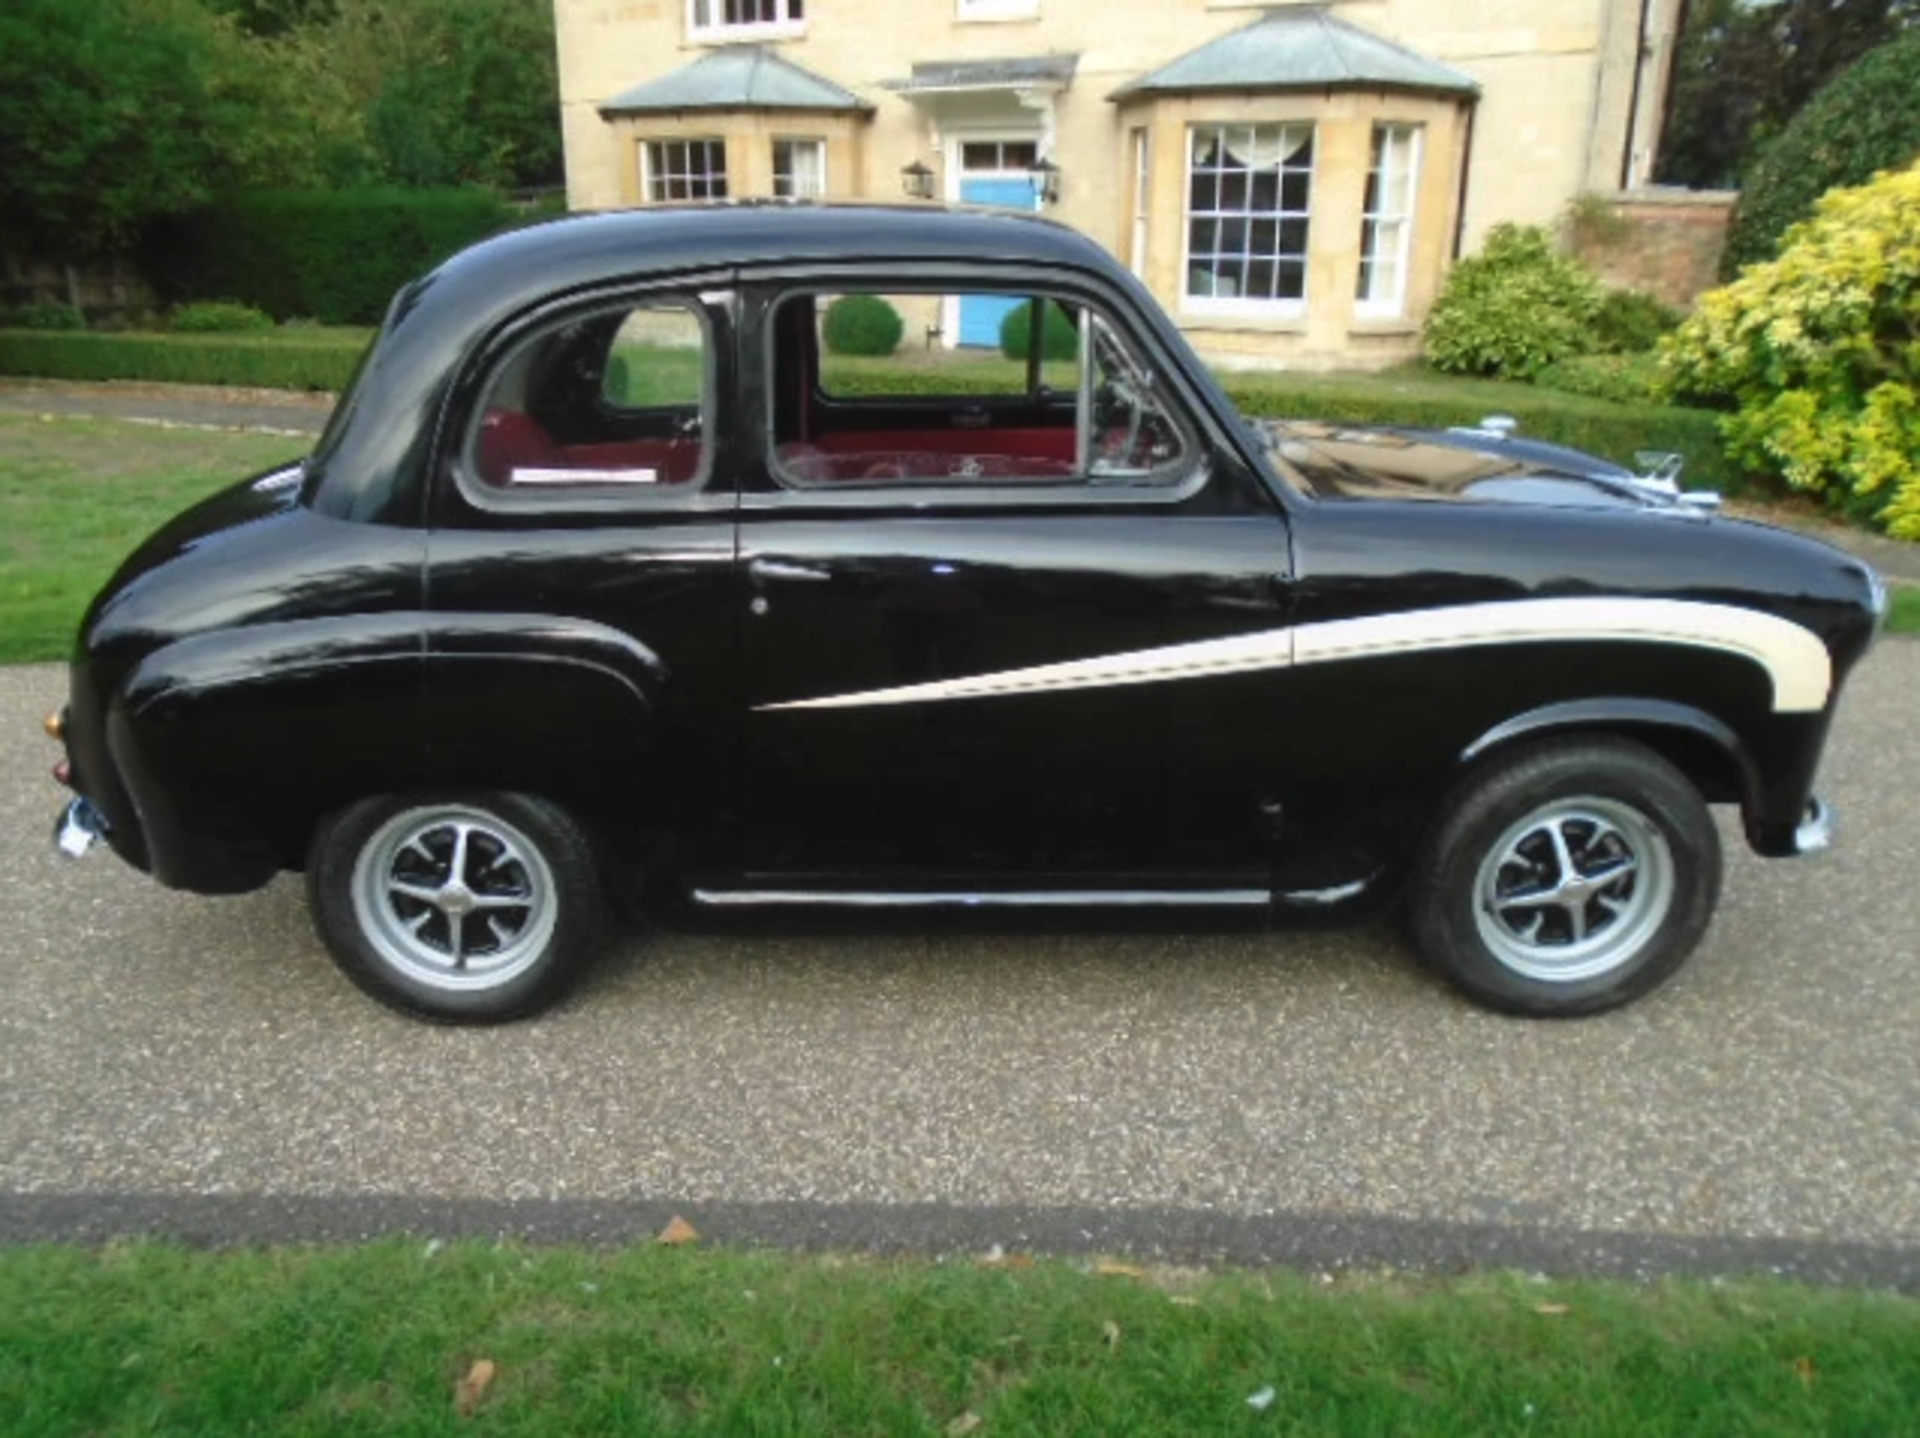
column 463, row 909
column 1569, row 878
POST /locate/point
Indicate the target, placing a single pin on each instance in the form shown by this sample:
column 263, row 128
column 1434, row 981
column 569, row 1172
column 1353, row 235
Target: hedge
column 334, row 256
column 280, row 361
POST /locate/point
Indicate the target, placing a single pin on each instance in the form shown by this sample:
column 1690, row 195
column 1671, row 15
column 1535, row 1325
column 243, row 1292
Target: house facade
column 1290, row 180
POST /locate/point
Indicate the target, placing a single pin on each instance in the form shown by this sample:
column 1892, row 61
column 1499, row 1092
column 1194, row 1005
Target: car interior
column 620, row 399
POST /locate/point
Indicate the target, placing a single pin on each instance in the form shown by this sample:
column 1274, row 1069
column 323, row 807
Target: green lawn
column 76, row 495
column 378, row 1338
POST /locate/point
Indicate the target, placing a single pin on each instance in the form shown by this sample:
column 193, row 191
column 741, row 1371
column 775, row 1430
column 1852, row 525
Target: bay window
column 1249, row 189
column 1386, row 227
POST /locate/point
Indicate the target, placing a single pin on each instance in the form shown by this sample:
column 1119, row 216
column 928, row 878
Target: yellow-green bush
column 1818, row 354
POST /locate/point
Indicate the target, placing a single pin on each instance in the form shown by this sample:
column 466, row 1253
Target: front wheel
column 461, row 909
column 1567, row 879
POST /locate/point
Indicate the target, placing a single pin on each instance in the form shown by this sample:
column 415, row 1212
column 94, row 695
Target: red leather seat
column 510, row 440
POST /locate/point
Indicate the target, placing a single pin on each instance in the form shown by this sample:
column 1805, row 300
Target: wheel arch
column 236, row 745
column 1708, row 751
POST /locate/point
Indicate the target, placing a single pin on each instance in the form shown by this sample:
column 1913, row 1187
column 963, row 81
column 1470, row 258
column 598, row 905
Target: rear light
column 63, row 774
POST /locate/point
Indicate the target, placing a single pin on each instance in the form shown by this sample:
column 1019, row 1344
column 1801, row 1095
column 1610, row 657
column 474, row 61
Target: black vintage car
column 608, row 578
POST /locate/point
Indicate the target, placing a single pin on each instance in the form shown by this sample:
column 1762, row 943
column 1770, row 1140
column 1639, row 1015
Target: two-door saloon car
column 608, row 578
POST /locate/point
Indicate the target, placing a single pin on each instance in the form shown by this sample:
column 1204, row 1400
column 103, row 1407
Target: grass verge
column 403, row 1337
column 77, row 494
column 1903, row 617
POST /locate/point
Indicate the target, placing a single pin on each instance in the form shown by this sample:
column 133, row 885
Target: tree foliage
column 110, row 112
column 451, row 92
column 1818, row 353
column 1513, row 308
column 1866, row 121
column 116, row 112
column 1745, row 67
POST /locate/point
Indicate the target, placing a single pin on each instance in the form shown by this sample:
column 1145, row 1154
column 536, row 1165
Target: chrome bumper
column 1815, row 834
column 79, row 828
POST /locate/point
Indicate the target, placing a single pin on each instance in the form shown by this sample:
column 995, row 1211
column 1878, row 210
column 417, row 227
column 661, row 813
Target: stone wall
column 1664, row 242
column 110, row 292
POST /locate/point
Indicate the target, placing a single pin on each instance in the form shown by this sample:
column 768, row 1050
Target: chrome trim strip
column 1323, row 898
column 1010, row 899
column 1794, row 658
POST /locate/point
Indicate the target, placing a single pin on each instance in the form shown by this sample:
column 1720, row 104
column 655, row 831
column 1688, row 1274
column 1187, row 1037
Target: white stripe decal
column 1794, row 658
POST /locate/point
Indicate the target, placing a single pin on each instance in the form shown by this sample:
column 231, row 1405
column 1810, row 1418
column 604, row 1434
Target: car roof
column 610, row 246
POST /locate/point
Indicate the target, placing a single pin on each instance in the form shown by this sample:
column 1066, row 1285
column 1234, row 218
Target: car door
column 581, row 572
column 970, row 599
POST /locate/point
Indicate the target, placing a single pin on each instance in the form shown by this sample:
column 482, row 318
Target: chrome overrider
column 1815, row 834
column 79, row 828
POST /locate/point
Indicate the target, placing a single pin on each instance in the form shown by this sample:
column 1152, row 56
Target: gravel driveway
column 196, row 1067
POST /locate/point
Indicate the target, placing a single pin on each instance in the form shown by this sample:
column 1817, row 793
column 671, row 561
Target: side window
column 604, row 405
column 867, row 390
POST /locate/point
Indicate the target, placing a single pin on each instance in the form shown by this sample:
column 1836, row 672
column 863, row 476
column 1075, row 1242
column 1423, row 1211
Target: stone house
column 1290, row 180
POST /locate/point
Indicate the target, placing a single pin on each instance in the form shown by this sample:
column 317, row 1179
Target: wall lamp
column 1046, row 181
column 917, row 181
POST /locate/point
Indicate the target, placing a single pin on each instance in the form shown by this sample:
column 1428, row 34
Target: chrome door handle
column 764, row 569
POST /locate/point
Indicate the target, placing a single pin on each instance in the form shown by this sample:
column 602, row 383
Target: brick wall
column 1665, row 242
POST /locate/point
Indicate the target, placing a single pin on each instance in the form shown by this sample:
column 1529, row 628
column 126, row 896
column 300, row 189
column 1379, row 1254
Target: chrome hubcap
column 1576, row 888
column 454, row 897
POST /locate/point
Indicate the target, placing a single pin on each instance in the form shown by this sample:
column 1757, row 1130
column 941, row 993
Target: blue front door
column 980, row 315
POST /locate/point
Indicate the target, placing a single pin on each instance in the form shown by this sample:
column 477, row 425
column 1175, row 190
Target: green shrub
column 263, row 361
column 338, row 256
column 212, row 317
column 862, row 325
column 1631, row 322
column 1515, row 306
column 1866, row 120
column 1622, row 378
column 46, row 317
column 1817, row 355
column 1060, row 340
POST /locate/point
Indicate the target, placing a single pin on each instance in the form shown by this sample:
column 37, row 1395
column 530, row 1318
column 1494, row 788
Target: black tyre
column 1568, row 878
column 468, row 909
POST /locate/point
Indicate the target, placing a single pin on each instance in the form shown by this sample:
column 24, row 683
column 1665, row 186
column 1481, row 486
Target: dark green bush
column 1865, row 121
column 1517, row 305
column 862, row 325
column 1630, row 322
column 1059, row 339
column 46, row 317
column 337, row 256
column 216, row 317
column 255, row 361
